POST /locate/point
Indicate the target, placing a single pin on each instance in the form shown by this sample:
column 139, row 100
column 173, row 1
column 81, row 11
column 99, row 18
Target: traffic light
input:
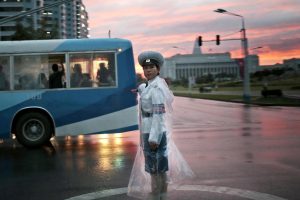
column 200, row 40
column 218, row 39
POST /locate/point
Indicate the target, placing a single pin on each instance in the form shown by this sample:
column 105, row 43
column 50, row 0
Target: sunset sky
column 171, row 26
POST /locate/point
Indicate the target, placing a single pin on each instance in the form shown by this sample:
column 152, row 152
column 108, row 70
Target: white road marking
column 203, row 188
column 231, row 191
column 100, row 194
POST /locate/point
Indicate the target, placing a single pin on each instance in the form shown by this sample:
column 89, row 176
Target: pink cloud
column 163, row 24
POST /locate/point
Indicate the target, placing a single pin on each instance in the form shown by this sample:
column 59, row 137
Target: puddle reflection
column 247, row 121
column 83, row 154
column 103, row 152
column 16, row 160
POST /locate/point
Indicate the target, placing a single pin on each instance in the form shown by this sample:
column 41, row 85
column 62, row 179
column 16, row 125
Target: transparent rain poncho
column 140, row 181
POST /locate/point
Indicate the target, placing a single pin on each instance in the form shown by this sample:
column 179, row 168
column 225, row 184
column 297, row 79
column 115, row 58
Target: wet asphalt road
column 236, row 152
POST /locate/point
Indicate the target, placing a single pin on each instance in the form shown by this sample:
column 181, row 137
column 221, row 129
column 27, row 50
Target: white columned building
column 197, row 64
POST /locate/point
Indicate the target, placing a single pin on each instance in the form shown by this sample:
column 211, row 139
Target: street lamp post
column 244, row 43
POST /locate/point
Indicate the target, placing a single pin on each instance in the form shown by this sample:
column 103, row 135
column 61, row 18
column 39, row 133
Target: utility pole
column 244, row 43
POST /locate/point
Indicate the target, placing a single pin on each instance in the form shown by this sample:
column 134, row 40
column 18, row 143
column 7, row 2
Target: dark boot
column 155, row 187
column 163, row 186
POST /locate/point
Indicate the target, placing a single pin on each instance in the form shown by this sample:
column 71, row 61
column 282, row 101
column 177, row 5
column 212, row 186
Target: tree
column 278, row 72
column 205, row 78
column 55, row 32
column 41, row 32
column 28, row 33
column 22, row 33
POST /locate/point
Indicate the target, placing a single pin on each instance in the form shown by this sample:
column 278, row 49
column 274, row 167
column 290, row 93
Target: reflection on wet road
column 226, row 144
column 107, row 152
column 65, row 166
column 261, row 128
column 220, row 117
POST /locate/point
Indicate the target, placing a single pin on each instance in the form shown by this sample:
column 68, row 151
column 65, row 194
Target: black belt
column 146, row 114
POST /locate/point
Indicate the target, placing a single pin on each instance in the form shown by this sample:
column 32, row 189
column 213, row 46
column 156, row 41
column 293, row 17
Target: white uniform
column 156, row 170
column 153, row 107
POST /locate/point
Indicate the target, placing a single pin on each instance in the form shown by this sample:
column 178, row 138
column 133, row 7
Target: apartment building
column 68, row 20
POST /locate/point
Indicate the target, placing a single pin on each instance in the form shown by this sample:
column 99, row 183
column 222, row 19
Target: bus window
column 105, row 75
column 32, row 71
column 92, row 69
column 4, row 73
column 26, row 71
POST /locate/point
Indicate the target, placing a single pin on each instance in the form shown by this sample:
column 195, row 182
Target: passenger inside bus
column 27, row 81
column 42, row 81
column 55, row 79
column 3, row 81
column 76, row 77
column 105, row 75
column 86, row 80
column 61, row 69
column 102, row 74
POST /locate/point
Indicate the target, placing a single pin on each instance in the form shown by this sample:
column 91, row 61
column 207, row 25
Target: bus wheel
column 33, row 129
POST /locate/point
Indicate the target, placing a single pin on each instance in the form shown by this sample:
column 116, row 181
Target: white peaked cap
column 151, row 57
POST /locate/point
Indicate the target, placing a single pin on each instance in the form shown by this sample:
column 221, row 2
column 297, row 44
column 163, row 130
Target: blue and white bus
column 96, row 75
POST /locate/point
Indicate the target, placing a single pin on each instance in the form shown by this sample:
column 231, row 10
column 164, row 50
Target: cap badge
column 148, row 60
